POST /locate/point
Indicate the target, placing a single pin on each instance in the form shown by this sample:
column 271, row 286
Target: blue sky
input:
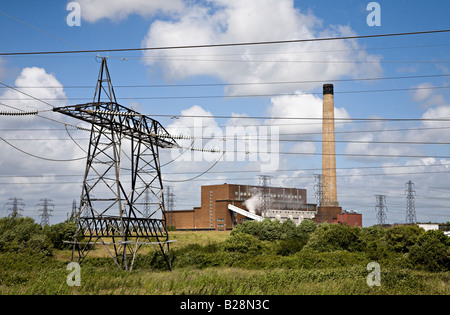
column 422, row 61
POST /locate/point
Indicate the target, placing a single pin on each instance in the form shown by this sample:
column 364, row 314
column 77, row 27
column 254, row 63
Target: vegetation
column 267, row 257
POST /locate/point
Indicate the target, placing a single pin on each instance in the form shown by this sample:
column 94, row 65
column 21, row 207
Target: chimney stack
column 329, row 188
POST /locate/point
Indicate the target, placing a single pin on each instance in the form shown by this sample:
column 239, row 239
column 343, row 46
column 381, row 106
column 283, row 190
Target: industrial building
column 213, row 214
column 224, row 206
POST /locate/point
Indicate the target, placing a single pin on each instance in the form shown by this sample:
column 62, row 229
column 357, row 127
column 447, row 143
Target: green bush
column 61, row 232
column 331, row 237
column 375, row 243
column 401, row 238
column 431, row 252
column 21, row 234
column 243, row 243
column 289, row 246
column 266, row 230
column 272, row 230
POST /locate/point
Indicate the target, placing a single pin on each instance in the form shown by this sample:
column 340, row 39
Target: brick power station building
column 258, row 202
column 224, row 206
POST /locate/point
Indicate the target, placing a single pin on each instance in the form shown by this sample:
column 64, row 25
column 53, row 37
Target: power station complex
column 226, row 205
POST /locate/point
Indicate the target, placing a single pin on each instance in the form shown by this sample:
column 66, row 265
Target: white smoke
column 253, row 204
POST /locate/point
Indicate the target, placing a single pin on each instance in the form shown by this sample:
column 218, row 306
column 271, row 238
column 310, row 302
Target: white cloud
column 256, row 20
column 425, row 96
column 94, row 10
column 422, row 92
column 38, row 136
column 302, row 106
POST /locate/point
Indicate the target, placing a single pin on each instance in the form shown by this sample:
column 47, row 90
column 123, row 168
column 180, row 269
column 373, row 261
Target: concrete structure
column 329, row 210
column 281, row 215
column 429, row 226
column 329, row 187
column 296, row 216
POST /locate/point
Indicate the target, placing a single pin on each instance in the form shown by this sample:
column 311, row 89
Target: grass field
column 23, row 273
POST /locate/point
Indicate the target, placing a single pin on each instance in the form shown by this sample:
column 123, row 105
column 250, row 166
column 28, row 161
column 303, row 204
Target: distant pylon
column 170, row 204
column 264, row 181
column 73, row 214
column 45, row 209
column 16, row 207
column 381, row 208
column 147, row 202
column 410, row 203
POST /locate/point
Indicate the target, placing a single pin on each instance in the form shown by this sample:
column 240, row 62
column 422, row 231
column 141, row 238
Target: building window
column 220, row 225
column 220, row 219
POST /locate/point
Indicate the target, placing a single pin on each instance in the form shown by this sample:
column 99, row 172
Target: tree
column 431, row 252
column 331, row 237
column 400, row 238
column 22, row 233
column 61, row 232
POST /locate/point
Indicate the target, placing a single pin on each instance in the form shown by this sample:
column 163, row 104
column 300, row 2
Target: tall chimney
column 329, row 191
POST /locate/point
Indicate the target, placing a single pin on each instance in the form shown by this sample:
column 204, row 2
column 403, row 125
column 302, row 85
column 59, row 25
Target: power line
column 239, row 95
column 302, row 61
column 41, row 157
column 26, row 94
column 119, row 113
column 224, row 44
column 182, row 137
column 244, row 83
column 252, row 171
column 279, row 125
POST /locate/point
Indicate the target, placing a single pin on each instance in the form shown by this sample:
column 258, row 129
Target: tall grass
column 215, row 263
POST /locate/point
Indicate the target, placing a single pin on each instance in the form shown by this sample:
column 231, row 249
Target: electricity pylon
column 381, row 208
column 123, row 144
column 45, row 210
column 410, row 203
column 16, row 207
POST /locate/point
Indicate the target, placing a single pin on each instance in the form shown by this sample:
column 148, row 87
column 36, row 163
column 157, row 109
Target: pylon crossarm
column 121, row 242
column 129, row 123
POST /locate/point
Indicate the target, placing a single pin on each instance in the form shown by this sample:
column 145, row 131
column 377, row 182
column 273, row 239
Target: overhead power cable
column 382, row 167
column 40, row 157
column 246, row 95
column 265, row 117
column 26, row 94
column 196, row 178
column 224, row 44
column 184, row 137
column 39, row 30
column 244, row 83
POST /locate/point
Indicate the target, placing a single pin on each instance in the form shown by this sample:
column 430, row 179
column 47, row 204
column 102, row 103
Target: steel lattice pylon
column 122, row 166
column 410, row 204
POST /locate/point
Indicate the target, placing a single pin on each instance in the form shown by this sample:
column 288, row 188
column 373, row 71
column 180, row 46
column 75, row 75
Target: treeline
column 265, row 244
column 272, row 244
column 22, row 234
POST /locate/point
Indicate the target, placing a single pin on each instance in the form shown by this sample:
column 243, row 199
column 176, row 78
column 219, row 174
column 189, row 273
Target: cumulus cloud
column 94, row 10
column 254, row 20
column 425, row 96
column 37, row 136
column 301, row 105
